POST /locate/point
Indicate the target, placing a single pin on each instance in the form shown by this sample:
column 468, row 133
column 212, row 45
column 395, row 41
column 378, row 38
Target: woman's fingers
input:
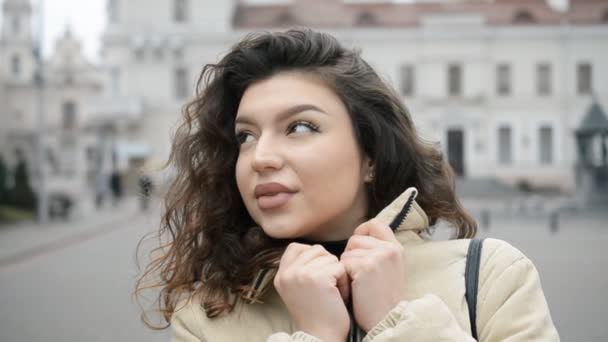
column 311, row 253
column 292, row 251
column 363, row 242
column 335, row 269
column 297, row 254
column 343, row 281
column 377, row 229
column 319, row 261
column 315, row 262
column 354, row 262
column 355, row 253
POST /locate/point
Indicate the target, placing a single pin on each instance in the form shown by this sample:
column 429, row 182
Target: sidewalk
column 26, row 240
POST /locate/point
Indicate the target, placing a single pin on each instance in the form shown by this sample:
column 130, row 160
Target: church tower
column 17, row 58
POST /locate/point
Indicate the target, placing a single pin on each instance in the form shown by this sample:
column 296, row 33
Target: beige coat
column 511, row 305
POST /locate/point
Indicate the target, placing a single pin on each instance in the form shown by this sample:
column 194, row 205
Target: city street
column 82, row 292
column 78, row 293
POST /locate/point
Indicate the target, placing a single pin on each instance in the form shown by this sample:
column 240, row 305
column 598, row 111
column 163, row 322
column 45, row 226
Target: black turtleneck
column 334, row 247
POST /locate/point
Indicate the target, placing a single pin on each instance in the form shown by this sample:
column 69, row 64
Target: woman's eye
column 302, row 127
column 244, row 137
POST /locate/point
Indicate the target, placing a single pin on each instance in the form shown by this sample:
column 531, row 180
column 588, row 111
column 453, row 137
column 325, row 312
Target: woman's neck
column 334, row 247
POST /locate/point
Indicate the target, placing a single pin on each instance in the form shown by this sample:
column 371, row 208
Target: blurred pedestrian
column 116, row 186
column 485, row 218
column 301, row 211
column 145, row 188
column 554, row 222
column 101, row 189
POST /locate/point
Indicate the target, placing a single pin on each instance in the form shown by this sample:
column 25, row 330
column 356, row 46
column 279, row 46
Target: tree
column 22, row 194
column 3, row 186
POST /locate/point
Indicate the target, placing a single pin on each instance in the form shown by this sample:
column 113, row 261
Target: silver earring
column 370, row 175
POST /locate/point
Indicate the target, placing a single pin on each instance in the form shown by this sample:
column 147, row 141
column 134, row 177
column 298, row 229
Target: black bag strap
column 471, row 276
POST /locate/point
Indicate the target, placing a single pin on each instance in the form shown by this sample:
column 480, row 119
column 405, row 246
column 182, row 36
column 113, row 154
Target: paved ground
column 572, row 264
column 80, row 289
column 25, row 240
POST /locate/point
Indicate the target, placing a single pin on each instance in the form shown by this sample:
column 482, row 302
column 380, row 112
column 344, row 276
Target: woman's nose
column 267, row 155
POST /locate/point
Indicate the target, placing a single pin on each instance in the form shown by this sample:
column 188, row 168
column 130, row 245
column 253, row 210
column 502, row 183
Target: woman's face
column 299, row 171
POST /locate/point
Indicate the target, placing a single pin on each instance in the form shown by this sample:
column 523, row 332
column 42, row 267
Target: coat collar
column 403, row 215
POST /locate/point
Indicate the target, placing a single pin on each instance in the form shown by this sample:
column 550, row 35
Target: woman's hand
column 374, row 261
column 314, row 286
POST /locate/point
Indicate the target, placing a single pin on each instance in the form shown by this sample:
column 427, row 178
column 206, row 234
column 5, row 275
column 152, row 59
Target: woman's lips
column 274, row 201
column 272, row 195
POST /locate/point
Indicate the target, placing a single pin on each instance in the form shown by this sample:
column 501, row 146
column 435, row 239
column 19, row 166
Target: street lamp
column 39, row 83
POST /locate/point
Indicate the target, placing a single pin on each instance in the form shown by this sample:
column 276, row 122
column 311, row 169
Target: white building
column 502, row 84
column 82, row 129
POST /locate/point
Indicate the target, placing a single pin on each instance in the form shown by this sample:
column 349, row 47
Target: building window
column 543, row 79
column 68, row 115
column 605, row 16
column 19, row 118
column 69, row 78
column 504, row 145
column 583, row 75
column 113, row 14
column 366, row 19
column 545, row 135
column 51, row 161
column 454, row 80
column 285, row 19
column 407, row 80
column 178, row 52
column 138, row 52
column 16, row 25
column 523, row 17
column 180, row 10
column 115, row 81
column 16, row 65
column 159, row 52
column 503, row 79
column 68, row 154
column 181, row 83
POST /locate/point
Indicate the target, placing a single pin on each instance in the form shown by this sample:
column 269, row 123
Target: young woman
column 302, row 208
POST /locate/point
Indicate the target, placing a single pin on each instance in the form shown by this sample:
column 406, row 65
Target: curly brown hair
column 214, row 247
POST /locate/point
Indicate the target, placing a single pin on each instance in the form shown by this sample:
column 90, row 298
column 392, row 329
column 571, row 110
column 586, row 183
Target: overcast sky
column 85, row 17
column 87, row 20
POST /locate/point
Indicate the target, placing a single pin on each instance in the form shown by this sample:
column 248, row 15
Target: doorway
column 456, row 151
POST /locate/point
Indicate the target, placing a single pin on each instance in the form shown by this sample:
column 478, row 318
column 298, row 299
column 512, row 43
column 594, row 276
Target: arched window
column 523, row 17
column 366, row 19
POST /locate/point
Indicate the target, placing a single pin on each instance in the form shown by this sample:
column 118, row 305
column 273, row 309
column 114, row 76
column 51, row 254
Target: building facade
column 62, row 102
column 501, row 85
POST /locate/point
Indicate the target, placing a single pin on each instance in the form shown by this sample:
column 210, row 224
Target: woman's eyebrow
column 245, row 119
